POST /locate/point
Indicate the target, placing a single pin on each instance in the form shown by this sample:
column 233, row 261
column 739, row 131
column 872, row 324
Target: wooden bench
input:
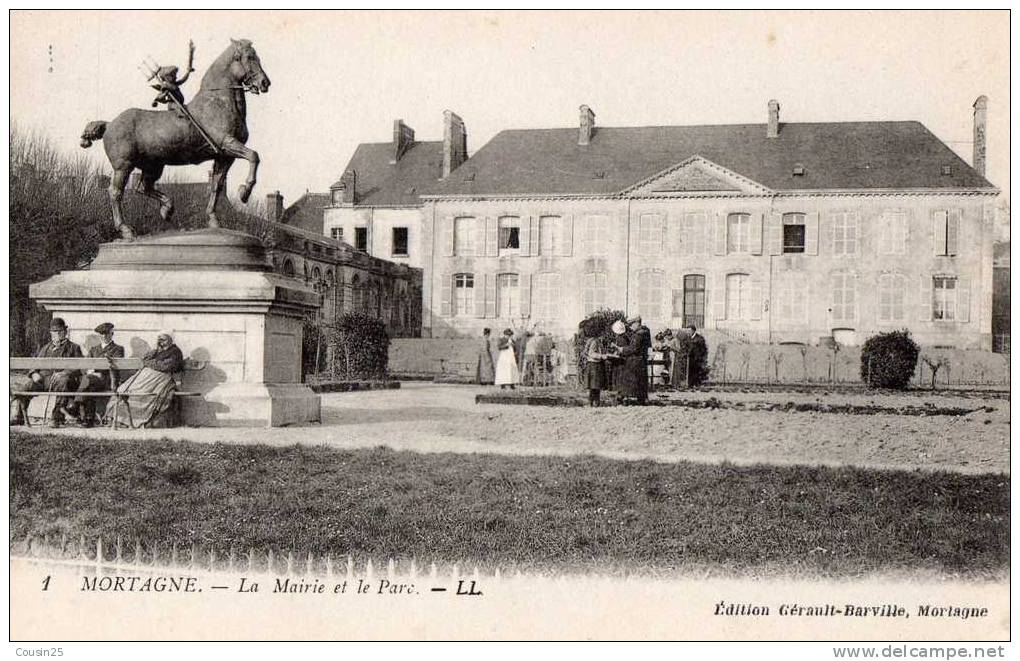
column 113, row 366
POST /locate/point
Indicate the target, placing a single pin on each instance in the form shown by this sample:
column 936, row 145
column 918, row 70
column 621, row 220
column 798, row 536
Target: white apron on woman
column 507, row 372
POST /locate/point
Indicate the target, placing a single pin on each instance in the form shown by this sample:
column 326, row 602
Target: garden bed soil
column 352, row 386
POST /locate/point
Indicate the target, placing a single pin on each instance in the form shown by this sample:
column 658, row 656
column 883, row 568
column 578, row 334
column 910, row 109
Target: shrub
column 888, row 360
column 360, row 347
column 597, row 324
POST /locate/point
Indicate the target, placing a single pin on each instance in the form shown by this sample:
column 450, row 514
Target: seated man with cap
column 42, row 380
column 93, row 380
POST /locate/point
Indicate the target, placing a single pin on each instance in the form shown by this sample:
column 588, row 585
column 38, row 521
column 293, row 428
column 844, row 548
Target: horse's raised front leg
column 148, row 189
column 234, row 147
column 116, row 191
column 219, row 178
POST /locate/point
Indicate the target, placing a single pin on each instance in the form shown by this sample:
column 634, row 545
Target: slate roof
column 382, row 184
column 306, row 213
column 846, row 155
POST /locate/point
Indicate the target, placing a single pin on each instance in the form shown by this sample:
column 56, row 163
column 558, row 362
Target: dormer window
column 947, row 170
column 798, row 170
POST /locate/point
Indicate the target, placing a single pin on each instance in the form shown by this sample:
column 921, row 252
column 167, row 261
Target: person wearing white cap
column 149, row 391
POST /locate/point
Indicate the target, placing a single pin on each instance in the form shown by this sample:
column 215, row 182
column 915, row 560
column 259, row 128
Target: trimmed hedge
column 360, row 347
column 888, row 360
column 597, row 324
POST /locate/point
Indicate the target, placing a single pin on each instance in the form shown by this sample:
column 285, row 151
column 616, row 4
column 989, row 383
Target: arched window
column 738, row 233
column 288, row 268
column 463, row 294
column 464, row 236
column 508, row 295
column 545, row 294
column 693, row 311
column 738, row 296
column 650, row 294
column 844, row 297
column 593, row 291
column 891, row 308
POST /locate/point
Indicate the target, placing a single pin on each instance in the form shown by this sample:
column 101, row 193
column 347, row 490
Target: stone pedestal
column 215, row 291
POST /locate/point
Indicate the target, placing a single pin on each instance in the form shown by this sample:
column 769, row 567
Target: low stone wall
column 456, row 359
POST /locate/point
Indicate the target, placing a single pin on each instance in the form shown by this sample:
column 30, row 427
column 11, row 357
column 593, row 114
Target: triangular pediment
column 697, row 175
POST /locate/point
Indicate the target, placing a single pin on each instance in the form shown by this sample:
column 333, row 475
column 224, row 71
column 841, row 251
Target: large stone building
column 376, row 205
column 775, row 232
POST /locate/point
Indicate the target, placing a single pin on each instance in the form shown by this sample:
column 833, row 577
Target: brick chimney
column 274, row 206
column 773, row 130
column 587, row 129
column 980, row 131
column 347, row 187
column 454, row 142
column 403, row 138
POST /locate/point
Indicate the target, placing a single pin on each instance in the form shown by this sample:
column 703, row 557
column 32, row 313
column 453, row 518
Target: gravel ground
column 431, row 417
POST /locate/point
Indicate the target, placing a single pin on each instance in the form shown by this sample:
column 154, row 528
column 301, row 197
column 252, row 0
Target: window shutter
column 775, row 234
column 963, row 298
column 524, row 236
column 660, row 240
column 719, row 293
column 525, row 291
column 567, row 235
column 810, row 234
column 938, row 232
column 720, row 234
column 924, row 301
column 448, row 223
column 756, row 302
column 536, row 234
column 491, row 236
column 675, row 233
column 446, row 296
column 479, row 294
column 757, row 220
column 490, row 295
column 953, row 227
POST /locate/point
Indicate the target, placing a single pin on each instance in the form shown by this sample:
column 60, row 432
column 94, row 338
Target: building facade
column 376, row 205
column 765, row 233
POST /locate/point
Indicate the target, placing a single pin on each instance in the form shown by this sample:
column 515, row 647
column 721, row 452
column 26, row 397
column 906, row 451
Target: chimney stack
column 773, row 131
column 347, row 187
column 454, row 142
column 403, row 138
column 980, row 129
column 587, row 126
column 274, row 206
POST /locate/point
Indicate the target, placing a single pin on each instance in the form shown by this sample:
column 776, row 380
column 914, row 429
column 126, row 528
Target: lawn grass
column 531, row 512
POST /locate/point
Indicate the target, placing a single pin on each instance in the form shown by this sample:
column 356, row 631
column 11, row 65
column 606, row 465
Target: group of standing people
column 141, row 399
column 622, row 366
column 520, row 358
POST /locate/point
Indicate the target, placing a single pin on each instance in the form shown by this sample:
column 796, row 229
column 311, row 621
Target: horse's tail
column 93, row 131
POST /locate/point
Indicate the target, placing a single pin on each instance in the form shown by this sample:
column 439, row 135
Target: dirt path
column 430, row 417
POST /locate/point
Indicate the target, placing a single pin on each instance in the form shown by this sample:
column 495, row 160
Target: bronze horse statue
column 152, row 139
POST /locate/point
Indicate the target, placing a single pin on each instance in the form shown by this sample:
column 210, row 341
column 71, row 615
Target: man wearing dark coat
column 46, row 380
column 93, row 380
column 630, row 377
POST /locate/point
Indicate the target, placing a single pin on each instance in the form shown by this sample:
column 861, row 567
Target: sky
column 341, row 78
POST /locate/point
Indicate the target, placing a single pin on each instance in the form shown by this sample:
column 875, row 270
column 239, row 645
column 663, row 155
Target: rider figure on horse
column 167, row 83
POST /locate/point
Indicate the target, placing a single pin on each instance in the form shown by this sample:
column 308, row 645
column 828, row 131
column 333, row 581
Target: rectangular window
column 944, row 308
column 844, row 233
column 844, row 297
column 650, row 294
column 337, row 233
column 893, row 232
column 509, row 234
column 790, row 304
column 464, row 236
column 400, row 242
column 463, row 294
column 794, row 233
column 650, row 234
column 694, row 300
column 361, row 238
column 593, row 292
column 694, row 227
column 738, row 233
column 508, row 295
column 546, row 295
column 549, row 235
column 947, row 231
column 738, row 296
column 890, row 298
column 595, row 238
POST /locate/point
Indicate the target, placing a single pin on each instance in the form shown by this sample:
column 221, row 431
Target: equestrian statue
column 210, row 127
